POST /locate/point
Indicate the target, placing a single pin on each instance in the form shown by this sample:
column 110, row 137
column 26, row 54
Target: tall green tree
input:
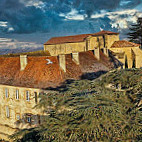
column 88, row 111
column 135, row 34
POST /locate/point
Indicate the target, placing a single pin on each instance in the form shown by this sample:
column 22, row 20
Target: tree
column 135, row 34
column 89, row 111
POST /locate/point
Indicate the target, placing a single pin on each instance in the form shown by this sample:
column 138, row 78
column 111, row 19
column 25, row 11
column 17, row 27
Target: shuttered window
column 35, row 97
column 27, row 96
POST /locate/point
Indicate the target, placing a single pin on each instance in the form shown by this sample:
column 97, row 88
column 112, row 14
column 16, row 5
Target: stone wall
column 75, row 57
column 130, row 54
column 93, row 43
column 62, row 62
column 138, row 57
column 110, row 39
column 66, row 48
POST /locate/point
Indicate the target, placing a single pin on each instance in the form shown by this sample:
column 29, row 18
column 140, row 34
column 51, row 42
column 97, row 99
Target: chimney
column 97, row 53
column 75, row 57
column 23, row 62
column 62, row 62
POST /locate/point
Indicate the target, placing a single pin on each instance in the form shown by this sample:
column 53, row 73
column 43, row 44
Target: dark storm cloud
column 130, row 3
column 28, row 19
column 89, row 6
column 10, row 5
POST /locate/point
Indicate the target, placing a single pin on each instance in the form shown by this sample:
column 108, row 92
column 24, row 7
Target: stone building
column 24, row 77
column 80, row 43
column 127, row 52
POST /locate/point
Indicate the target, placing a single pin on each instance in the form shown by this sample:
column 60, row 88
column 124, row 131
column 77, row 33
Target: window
column 7, row 112
column 6, row 92
column 29, row 119
column 35, row 97
column 17, row 94
column 17, row 116
column 27, row 96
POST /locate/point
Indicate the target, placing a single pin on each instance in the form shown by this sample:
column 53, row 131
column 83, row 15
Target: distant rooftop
column 124, row 43
column 34, row 53
column 75, row 38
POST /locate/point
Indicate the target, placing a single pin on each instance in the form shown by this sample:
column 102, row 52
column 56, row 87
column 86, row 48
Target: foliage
column 34, row 53
column 87, row 111
column 135, row 34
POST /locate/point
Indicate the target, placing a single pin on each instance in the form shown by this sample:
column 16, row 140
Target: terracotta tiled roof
column 38, row 74
column 124, row 43
column 75, row 38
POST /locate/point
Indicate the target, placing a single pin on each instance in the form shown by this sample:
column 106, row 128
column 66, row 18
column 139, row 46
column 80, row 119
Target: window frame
column 27, row 96
column 28, row 119
column 6, row 93
column 36, row 97
column 17, row 94
column 18, row 114
column 7, row 112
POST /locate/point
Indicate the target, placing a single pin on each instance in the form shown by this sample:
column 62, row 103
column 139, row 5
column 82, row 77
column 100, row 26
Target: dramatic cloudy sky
column 29, row 23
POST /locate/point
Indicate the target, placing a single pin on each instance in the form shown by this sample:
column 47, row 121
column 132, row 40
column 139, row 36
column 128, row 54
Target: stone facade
column 75, row 57
column 130, row 56
column 65, row 48
column 62, row 62
column 16, row 109
column 89, row 43
column 110, row 39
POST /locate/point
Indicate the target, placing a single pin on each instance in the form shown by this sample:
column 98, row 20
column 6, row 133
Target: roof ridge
column 70, row 35
column 83, row 34
column 74, row 38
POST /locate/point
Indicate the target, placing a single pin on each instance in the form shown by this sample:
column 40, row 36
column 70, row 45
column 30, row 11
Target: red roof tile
column 124, row 43
column 75, row 38
column 38, row 74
